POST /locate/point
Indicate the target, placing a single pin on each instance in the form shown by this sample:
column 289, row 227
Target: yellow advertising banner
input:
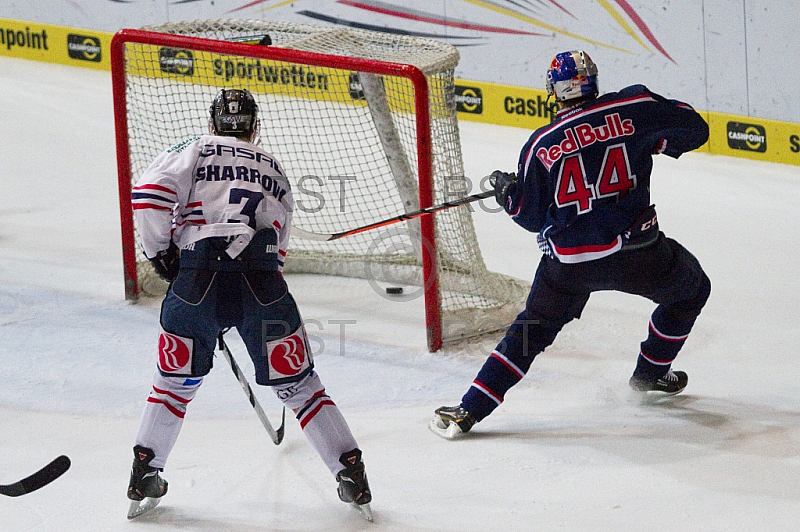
column 55, row 44
column 254, row 74
column 754, row 138
column 478, row 101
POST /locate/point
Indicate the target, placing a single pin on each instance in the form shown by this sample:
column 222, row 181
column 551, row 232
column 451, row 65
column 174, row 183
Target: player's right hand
column 504, row 184
column 167, row 262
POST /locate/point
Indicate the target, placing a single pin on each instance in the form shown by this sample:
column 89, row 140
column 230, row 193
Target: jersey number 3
column 251, row 200
column 614, row 179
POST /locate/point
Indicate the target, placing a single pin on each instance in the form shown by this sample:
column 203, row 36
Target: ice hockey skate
column 670, row 384
column 146, row 486
column 451, row 422
column 353, row 485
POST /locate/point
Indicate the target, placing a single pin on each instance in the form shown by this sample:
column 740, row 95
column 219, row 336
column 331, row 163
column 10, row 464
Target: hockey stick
column 276, row 435
column 41, row 478
column 308, row 235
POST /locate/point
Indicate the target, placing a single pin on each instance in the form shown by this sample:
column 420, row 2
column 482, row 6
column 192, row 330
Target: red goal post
column 147, row 77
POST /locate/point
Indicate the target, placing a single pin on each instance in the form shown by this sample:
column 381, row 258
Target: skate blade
column 138, row 508
column 448, row 432
column 652, row 397
column 364, row 510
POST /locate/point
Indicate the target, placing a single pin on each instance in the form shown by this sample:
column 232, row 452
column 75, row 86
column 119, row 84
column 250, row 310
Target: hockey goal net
column 365, row 126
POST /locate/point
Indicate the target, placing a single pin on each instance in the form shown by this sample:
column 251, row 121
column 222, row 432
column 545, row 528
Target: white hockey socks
column 163, row 416
column 321, row 420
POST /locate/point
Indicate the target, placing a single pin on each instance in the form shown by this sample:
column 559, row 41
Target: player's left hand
column 504, row 184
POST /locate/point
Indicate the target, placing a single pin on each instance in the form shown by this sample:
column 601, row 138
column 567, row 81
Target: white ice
column 570, row 449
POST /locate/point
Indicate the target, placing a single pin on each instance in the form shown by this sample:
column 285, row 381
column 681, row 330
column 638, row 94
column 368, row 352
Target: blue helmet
column 572, row 75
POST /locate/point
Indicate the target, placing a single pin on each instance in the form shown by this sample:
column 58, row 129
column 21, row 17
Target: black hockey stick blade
column 320, row 237
column 41, row 478
column 282, row 429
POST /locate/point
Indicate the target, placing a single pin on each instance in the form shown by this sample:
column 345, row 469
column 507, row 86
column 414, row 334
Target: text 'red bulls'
column 584, row 135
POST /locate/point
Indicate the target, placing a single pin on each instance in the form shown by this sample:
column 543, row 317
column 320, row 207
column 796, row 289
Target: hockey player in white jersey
column 214, row 214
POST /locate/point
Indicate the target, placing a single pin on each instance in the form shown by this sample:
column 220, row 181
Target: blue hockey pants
column 664, row 272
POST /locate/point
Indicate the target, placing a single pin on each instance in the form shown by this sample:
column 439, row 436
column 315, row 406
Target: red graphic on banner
column 173, row 353
column 289, row 356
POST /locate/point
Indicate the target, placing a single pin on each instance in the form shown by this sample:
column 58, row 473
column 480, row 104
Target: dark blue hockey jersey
column 585, row 178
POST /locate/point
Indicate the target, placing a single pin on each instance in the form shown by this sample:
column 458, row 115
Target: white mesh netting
column 348, row 143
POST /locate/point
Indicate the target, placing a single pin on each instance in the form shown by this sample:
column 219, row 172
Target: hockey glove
column 166, row 263
column 504, row 185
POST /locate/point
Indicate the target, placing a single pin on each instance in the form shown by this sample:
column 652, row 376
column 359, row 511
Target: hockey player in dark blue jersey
column 583, row 185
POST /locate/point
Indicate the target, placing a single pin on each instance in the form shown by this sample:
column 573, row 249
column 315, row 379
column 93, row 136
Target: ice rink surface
column 570, row 449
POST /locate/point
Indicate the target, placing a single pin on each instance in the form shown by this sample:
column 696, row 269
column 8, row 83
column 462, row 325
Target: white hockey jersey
column 211, row 186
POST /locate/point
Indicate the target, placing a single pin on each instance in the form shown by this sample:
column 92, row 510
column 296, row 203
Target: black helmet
column 234, row 113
